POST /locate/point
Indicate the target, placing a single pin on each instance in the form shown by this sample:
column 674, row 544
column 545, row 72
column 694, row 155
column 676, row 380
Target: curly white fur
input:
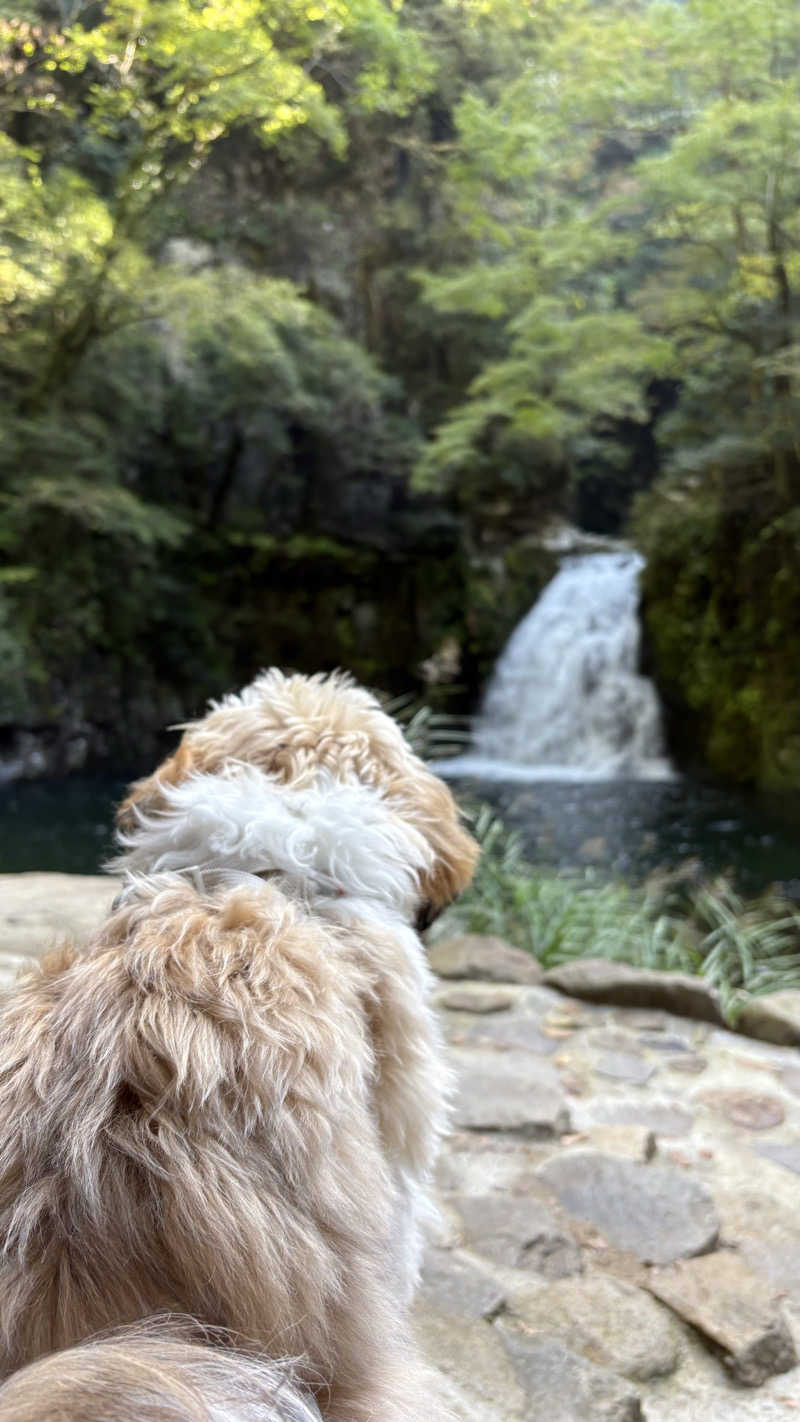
column 331, row 838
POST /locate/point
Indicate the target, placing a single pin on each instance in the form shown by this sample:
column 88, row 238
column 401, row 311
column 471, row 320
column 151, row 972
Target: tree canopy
column 267, row 267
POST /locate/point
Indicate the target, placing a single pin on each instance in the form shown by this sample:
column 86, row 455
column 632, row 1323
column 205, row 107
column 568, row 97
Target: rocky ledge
column 620, row 1232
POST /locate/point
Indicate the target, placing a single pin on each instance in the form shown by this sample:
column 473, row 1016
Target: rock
column 786, row 1155
column 563, row 1387
column 625, row 1066
column 653, row 1211
column 609, row 1322
column 689, row 1066
column 473, row 1356
column 790, row 1078
column 484, row 958
column 632, row 1142
column 516, row 1030
column 774, row 1018
column 38, row 910
column 521, row 1231
column 507, row 1093
column 662, row 1118
column 598, row 980
column 455, row 1286
column 663, row 1042
column 475, row 997
column 733, row 1307
column 753, row 1110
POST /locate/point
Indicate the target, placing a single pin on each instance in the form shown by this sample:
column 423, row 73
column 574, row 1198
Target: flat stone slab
column 787, row 1155
column 774, row 1018
column 625, row 1066
column 516, row 1030
column 505, row 1092
column 520, row 1231
column 735, row 1308
column 472, row 1355
column 483, row 958
column 563, row 1387
column 754, row 1110
column 663, row 1118
column 455, row 1286
column 598, row 980
column 653, row 1211
column 607, row 1321
column 475, row 997
column 39, row 910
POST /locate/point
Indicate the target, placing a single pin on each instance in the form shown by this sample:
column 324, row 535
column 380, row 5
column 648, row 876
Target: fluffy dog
column 296, row 729
column 229, row 1104
column 151, row 1376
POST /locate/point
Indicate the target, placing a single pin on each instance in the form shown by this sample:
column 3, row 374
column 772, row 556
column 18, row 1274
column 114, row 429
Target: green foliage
column 742, row 949
column 633, row 221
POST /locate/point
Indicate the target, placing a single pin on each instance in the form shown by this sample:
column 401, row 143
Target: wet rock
column 609, row 1322
column 733, row 1307
column 653, row 1211
column 753, row 1110
column 561, row 1386
column 512, row 1091
column 520, row 1231
column 455, row 1286
column 625, row 1066
column 483, row 958
column 475, row 997
column 598, row 980
column 774, row 1018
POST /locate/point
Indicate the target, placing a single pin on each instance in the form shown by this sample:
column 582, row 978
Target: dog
column 297, row 728
column 152, row 1375
column 230, row 1103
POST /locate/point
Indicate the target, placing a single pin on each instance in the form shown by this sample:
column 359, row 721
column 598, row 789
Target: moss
column 721, row 608
column 501, row 588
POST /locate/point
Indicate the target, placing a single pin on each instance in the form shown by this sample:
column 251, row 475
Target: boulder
column 600, row 980
column 774, row 1018
column 484, row 958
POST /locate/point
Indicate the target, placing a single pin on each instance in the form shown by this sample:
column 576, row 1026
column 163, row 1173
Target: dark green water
column 58, row 824
column 621, row 827
column 630, row 827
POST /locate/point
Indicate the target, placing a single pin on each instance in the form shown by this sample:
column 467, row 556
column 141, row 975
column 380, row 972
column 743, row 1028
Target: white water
column 566, row 701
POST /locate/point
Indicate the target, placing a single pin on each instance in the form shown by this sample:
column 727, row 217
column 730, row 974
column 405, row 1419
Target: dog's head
column 298, row 729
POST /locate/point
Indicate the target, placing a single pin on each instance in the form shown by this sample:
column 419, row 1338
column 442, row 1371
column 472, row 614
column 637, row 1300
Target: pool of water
column 630, row 827
column 64, row 824
column 625, row 827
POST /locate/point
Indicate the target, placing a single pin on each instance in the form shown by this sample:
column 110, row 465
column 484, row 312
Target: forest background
column 315, row 311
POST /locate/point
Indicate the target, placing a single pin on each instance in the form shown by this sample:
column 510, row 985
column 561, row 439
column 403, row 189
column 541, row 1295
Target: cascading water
column 566, row 701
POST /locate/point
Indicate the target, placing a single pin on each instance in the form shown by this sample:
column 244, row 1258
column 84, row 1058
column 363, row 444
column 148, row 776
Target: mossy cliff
column 721, row 608
column 99, row 681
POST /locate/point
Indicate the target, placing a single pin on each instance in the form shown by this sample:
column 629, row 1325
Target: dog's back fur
column 188, row 1123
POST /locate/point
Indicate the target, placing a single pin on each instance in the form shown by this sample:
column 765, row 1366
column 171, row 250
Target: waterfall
column 566, row 701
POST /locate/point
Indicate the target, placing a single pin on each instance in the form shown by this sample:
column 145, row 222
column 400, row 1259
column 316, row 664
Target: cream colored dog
column 230, row 1103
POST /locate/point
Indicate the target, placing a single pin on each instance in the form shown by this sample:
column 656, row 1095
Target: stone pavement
column 620, row 1231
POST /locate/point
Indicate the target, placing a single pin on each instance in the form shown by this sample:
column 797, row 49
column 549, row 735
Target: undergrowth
column 675, row 921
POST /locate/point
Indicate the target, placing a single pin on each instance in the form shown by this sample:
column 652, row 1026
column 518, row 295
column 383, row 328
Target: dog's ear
column 455, row 853
column 146, row 794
